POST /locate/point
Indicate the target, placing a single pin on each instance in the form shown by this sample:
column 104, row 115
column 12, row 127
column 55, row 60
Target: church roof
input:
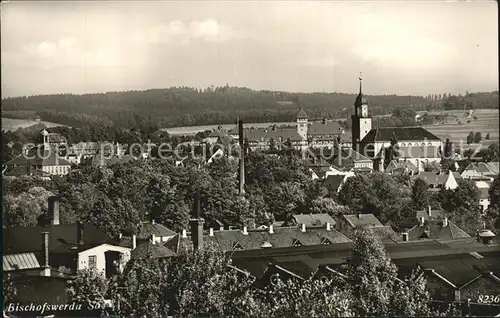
column 401, row 133
column 327, row 128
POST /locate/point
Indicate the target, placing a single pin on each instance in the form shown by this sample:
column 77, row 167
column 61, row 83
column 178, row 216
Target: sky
column 401, row 47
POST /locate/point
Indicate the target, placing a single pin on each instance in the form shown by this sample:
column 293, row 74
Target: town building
column 372, row 142
column 481, row 171
column 54, row 249
column 437, row 180
column 39, row 161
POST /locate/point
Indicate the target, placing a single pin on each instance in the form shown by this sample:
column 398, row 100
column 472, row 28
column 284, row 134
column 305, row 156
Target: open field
column 13, row 124
column 486, row 122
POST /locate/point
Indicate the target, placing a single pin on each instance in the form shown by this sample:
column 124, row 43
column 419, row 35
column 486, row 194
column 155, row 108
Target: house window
column 92, row 261
column 326, row 241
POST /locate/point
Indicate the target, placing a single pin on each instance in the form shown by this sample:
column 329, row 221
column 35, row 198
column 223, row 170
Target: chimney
column 153, row 238
column 430, row 211
column 478, row 236
column 422, row 221
column 184, row 233
column 54, row 210
column 406, row 237
column 445, row 222
column 328, row 226
column 211, row 232
column 197, row 223
column 120, row 235
column 245, row 230
column 303, row 227
column 45, row 253
column 271, row 229
column 359, row 216
column 242, row 158
column 152, row 221
column 134, row 241
column 79, row 233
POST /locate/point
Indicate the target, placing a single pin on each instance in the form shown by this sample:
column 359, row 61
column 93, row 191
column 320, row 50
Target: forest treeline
column 185, row 106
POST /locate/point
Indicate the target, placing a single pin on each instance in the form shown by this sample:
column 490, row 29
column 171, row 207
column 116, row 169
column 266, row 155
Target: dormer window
column 326, row 241
column 237, row 246
column 296, row 242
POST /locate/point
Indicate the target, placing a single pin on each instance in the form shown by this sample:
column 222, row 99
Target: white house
column 437, row 181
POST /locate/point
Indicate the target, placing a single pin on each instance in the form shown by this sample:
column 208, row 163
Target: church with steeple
column 416, row 144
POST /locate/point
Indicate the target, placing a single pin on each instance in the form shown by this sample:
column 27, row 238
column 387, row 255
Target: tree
column 462, row 205
column 372, row 280
column 203, row 284
column 493, row 212
column 24, row 209
column 487, row 136
column 477, row 137
column 9, row 291
column 470, row 138
column 140, row 290
column 447, row 159
column 87, row 289
column 293, row 298
column 167, row 205
column 420, row 195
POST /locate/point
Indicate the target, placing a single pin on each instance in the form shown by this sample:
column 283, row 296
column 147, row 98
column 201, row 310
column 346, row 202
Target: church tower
column 302, row 123
column 361, row 122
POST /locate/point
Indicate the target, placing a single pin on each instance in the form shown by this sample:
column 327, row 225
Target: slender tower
column 241, row 138
column 361, row 122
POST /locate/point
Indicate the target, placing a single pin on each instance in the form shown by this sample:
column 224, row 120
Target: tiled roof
column 362, row 220
column 327, row 128
column 29, row 239
column 149, row 250
column 401, row 133
column 342, row 158
column 462, row 270
column 490, row 168
column 401, row 165
column 433, row 229
column 415, row 220
column 418, row 152
column 385, row 232
column 431, row 177
column 282, row 237
column 312, row 220
column 146, row 229
column 265, row 134
column 47, row 158
column 22, row 171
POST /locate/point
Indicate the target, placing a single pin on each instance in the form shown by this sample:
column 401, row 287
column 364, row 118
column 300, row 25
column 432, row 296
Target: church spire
column 360, row 83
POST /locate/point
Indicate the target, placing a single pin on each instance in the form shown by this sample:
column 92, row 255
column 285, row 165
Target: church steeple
column 361, row 99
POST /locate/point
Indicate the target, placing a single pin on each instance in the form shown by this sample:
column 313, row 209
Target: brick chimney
column 54, row 210
column 79, row 232
column 45, row 254
column 242, row 158
column 197, row 224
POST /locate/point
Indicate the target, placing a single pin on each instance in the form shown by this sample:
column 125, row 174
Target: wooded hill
column 185, row 106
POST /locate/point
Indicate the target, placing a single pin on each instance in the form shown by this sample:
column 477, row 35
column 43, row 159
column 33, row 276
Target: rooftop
column 401, row 133
column 362, row 220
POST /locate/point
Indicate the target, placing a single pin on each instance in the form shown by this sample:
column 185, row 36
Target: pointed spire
column 360, row 82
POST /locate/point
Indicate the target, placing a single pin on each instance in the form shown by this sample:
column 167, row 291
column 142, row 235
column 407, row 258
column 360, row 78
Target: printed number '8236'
column 489, row 299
